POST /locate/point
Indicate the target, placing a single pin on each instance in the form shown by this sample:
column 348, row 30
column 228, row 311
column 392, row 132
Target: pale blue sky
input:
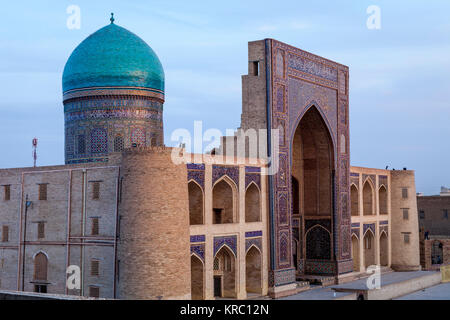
column 399, row 75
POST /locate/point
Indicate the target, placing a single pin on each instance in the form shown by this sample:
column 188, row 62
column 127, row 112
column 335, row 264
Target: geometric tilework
column 106, row 121
column 320, row 267
column 252, row 169
column 99, row 141
column 370, row 226
column 355, row 231
column 345, row 266
column 198, row 249
column 198, row 238
column 138, row 136
column 220, row 171
column 252, row 234
column 253, row 177
column 257, row 242
column 196, row 172
column 281, row 277
column 229, row 241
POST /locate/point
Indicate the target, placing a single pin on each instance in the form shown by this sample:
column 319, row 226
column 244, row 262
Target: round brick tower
column 113, row 95
column 404, row 232
column 153, row 248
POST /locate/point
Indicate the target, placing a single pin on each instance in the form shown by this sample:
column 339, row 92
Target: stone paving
column 326, row 293
column 439, row 292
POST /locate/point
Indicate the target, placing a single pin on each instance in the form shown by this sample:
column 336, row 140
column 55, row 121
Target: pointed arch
column 224, row 201
column 40, row 251
column 227, row 247
column 369, row 230
column 253, row 246
column 368, row 198
column 318, row 243
column 228, row 179
column 317, row 226
column 196, row 203
column 313, row 105
column 197, row 256
column 252, row 203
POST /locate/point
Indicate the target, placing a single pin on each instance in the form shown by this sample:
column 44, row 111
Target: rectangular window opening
column 43, row 191
column 404, row 193
column 254, row 68
column 5, row 234
column 94, row 292
column 406, row 237
column 40, row 288
column 95, row 267
column 217, row 215
column 7, row 196
column 95, row 227
column 41, row 230
column 422, row 214
column 96, row 190
column 405, row 214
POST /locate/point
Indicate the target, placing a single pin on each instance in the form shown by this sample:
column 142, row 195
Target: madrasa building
column 140, row 225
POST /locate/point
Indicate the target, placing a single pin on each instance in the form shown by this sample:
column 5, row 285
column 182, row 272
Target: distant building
column 434, row 225
column 434, row 213
column 445, row 191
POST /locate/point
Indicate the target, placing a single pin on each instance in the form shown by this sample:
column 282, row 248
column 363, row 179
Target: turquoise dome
column 113, row 57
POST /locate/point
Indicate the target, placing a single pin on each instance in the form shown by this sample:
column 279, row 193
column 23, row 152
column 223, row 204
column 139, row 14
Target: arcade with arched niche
column 355, row 253
column 197, row 278
column 384, row 249
column 253, row 271
column 368, row 199
column 195, row 203
column 354, row 197
column 225, row 273
column 252, row 203
column 369, row 248
column 224, row 202
column 382, row 200
column 312, row 177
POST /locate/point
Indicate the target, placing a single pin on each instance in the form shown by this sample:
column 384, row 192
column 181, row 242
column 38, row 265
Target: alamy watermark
column 73, row 281
column 374, row 19
column 235, row 147
column 74, row 18
column 374, row 281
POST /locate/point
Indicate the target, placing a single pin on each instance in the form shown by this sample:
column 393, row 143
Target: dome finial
column 112, row 18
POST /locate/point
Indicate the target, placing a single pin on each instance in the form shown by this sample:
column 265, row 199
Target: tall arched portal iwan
column 313, row 168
